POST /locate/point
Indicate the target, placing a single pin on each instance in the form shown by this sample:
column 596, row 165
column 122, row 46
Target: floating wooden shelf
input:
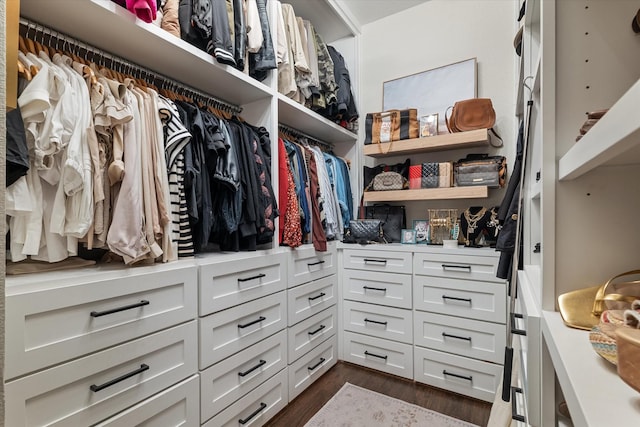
column 449, row 141
column 427, row 194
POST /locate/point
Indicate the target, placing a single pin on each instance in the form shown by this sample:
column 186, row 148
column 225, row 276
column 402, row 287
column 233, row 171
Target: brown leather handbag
column 472, row 114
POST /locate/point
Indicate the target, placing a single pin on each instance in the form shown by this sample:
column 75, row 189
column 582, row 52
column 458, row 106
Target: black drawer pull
column 514, row 409
column 315, row 263
column 377, row 322
column 123, row 308
column 257, row 276
column 460, row 267
column 258, row 320
column 370, row 288
column 515, row 330
column 366, row 353
column 317, row 296
column 469, row 378
column 248, row 371
column 141, row 369
column 311, row 368
column 321, row 327
column 446, row 335
column 256, row 412
column 375, row 261
column 445, row 297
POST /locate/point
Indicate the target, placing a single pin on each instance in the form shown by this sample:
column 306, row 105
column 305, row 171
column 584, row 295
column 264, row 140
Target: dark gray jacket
column 265, row 59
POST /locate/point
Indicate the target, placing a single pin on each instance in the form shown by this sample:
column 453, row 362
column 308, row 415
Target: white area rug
column 355, row 406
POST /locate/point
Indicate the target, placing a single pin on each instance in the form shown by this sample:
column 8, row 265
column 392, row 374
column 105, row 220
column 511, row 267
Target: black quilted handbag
column 394, row 220
column 364, row 231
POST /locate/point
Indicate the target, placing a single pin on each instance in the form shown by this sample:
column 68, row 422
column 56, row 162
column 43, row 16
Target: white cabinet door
column 390, row 289
column 306, row 264
column 311, row 366
column 454, row 266
column 383, row 322
column 307, row 334
column 387, row 356
column 311, row 298
column 374, row 260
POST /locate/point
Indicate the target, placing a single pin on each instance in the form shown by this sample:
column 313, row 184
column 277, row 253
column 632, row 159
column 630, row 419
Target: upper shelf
column 613, row 140
column 447, row 141
column 114, row 29
column 328, row 18
column 476, row 192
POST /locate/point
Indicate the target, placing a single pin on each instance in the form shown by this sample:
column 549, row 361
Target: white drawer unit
column 311, row 366
column 229, row 380
column 176, row 406
column 463, row 298
column 387, row 356
column 257, row 407
column 57, row 322
column 305, row 335
column 373, row 260
column 93, row 388
column 306, row 264
column 390, row 289
column 225, row 284
column 311, row 298
column 456, row 266
column 456, row 373
column 465, row 337
column 229, row 331
column 378, row 321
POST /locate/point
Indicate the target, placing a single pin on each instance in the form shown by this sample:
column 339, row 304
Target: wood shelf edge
column 449, row 141
column 427, row 194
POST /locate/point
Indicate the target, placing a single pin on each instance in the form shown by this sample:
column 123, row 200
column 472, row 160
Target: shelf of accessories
column 449, row 141
column 443, row 193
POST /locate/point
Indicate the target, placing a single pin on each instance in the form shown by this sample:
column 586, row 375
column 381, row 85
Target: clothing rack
column 296, row 133
column 53, row 38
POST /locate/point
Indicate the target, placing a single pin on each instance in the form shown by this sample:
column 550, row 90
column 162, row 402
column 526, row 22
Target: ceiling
column 367, row 11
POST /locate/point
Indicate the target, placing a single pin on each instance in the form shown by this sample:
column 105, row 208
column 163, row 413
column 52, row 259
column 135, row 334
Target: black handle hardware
column 311, row 368
column 459, row 267
column 253, row 414
column 321, row 327
column 141, row 369
column 457, row 299
column 375, row 261
column 248, row 371
column 538, row 176
column 515, row 330
column 317, row 296
column 257, row 276
column 446, row 335
column 514, row 409
column 537, row 248
column 469, row 378
column 315, row 263
column 123, row 308
column 366, row 353
column 258, row 320
column 370, row 288
column 377, row 322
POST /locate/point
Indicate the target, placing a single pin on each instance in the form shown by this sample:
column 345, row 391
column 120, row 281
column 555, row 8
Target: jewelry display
column 441, row 224
column 472, row 222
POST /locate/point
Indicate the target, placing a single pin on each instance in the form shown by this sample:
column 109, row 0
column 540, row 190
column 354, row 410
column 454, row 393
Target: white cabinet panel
column 456, row 266
column 307, row 334
column 390, row 289
column 390, row 262
column 311, row 366
column 379, row 321
column 306, row 300
column 307, row 264
column 388, row 356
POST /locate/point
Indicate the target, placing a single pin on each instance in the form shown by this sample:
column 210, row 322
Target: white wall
column 437, row 33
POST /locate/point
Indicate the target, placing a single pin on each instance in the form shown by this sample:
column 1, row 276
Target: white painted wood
column 390, row 289
column 175, row 406
column 52, row 324
column 306, row 264
column 222, row 384
column 390, row 262
column 304, row 371
column 457, row 266
column 305, row 335
column 368, row 318
column 311, row 298
column 390, row 356
column 221, row 334
column 62, row 394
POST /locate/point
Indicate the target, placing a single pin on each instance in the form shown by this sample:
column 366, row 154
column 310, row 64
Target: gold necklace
column 472, row 220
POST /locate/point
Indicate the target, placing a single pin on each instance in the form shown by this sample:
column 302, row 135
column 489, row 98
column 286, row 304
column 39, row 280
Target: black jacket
column 346, row 107
column 265, row 59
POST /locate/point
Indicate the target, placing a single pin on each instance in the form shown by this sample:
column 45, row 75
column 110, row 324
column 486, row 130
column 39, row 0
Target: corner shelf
column 427, row 194
column 449, row 141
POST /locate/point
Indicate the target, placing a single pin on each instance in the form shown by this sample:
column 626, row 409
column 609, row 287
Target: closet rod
column 122, row 64
column 299, row 134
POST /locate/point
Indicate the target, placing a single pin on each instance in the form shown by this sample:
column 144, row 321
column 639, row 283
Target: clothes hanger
column 24, row 71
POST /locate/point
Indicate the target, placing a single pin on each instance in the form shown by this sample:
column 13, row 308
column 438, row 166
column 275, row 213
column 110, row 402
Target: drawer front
column 372, row 260
column 456, row 266
column 306, row 300
column 458, row 374
column 90, row 389
column 382, row 322
column 175, row 406
column 388, row 356
column 312, row 366
column 257, row 407
column 463, row 298
column 93, row 316
column 227, row 381
column 227, row 284
column 390, row 289
column 465, row 337
column 306, row 264
column 310, row 332
column 227, row 332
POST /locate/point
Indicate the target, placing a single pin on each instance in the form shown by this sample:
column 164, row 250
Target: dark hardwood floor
column 303, row 407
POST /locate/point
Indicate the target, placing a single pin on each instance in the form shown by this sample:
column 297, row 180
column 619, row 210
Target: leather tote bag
column 394, row 219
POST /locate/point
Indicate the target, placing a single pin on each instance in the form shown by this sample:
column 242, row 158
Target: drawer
column 311, row 366
column 257, row 407
column 458, row 374
column 463, row 298
column 372, row 260
column 382, row 322
column 306, row 264
column 390, row 289
column 92, row 316
column 90, row 389
column 457, row 266
column 306, row 300
column 388, row 356
column 227, row 332
column 230, row 283
column 307, row 334
column 175, row 406
column 464, row 337
column 227, row 381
